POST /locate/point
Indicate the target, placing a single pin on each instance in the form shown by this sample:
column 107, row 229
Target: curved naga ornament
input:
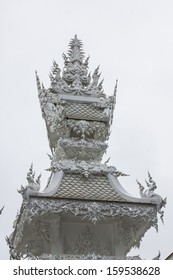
column 33, row 184
column 149, row 193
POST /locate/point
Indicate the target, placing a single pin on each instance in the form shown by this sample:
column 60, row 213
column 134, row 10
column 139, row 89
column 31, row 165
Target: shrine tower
column 83, row 212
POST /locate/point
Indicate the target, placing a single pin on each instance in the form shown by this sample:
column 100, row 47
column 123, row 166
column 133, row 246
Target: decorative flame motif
column 33, row 184
column 75, row 78
column 149, row 193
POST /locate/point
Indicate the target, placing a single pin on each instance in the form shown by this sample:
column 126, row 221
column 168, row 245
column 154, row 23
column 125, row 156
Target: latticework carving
column 85, row 112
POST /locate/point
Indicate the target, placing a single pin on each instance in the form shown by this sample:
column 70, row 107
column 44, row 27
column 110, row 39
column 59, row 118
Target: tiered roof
column 78, row 116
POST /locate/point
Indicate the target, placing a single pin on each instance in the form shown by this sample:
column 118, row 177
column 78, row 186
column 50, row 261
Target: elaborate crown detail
column 75, row 78
column 75, row 105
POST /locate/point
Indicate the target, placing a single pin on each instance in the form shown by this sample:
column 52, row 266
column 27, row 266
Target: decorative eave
column 139, row 216
column 108, row 190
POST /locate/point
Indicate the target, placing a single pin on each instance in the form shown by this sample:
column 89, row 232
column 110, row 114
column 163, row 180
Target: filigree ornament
column 75, row 79
column 86, row 242
column 79, row 149
column 33, row 184
column 92, row 130
column 149, row 193
column 13, row 254
column 91, row 211
column 43, row 229
column 52, row 111
column 82, row 167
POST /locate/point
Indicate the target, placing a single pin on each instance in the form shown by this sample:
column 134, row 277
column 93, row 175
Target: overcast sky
column 131, row 40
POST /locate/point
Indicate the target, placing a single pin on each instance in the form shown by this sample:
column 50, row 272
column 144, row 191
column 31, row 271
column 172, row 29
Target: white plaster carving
column 86, row 168
column 75, row 81
column 33, row 248
column 93, row 211
column 92, row 130
column 13, row 254
column 33, row 184
column 43, row 229
column 86, row 242
column 88, row 150
column 78, row 117
column 149, row 193
column 75, row 78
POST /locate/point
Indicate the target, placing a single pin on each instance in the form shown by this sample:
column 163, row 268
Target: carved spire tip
column 116, row 84
column 36, row 74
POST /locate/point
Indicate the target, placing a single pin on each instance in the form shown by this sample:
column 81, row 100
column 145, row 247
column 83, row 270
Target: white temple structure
column 83, row 212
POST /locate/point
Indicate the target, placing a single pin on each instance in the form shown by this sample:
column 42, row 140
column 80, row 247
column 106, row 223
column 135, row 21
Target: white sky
column 131, row 41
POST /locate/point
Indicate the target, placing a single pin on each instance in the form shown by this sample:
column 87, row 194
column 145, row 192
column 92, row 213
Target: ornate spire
column 86, row 115
column 38, row 83
column 75, row 78
column 114, row 101
column 76, row 52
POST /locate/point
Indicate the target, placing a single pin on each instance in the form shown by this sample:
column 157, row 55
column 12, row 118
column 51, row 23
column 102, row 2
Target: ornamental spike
column 141, row 189
column 151, row 182
column 50, row 156
column 38, row 83
column 38, row 180
column 97, row 69
column 43, row 88
column 140, row 185
column 115, row 90
column 30, row 174
column 86, row 61
column 51, row 76
column 64, row 56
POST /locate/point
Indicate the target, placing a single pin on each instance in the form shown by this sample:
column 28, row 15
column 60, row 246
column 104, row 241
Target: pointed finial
column 50, row 156
column 76, row 52
column 38, row 180
column 113, row 97
column 51, row 77
column 140, row 185
column 115, row 89
column 43, row 87
column 151, row 183
column 38, row 84
column 86, row 61
column 107, row 160
column 100, row 86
